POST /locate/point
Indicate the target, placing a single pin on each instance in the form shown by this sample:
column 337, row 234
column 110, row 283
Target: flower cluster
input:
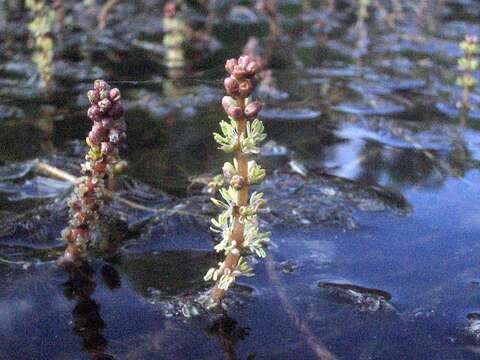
column 468, row 64
column 108, row 132
column 237, row 223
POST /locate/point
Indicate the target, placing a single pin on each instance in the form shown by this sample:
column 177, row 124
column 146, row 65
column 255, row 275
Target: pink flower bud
column 104, row 94
column 252, row 109
column 227, row 102
column 97, row 134
column 244, row 60
column 239, row 72
column 235, row 112
column 93, row 96
column 101, row 85
column 246, row 87
column 104, row 105
column 237, row 182
column 94, row 138
column 115, row 95
column 170, row 9
column 230, row 65
column 231, row 86
column 251, row 68
column 116, row 111
column 107, row 122
column 94, row 113
column 245, row 67
column 106, row 148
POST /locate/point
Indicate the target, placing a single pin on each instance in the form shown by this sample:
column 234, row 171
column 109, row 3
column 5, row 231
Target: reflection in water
column 361, row 30
column 315, row 344
column 410, row 158
column 46, row 125
column 460, row 158
column 87, row 320
column 228, row 333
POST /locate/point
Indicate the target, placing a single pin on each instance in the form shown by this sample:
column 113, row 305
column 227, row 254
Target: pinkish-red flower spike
column 107, row 132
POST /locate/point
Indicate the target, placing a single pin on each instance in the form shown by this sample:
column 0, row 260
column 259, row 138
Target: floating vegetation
column 365, row 298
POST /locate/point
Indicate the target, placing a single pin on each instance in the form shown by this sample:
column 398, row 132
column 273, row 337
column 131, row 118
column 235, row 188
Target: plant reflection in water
column 87, row 320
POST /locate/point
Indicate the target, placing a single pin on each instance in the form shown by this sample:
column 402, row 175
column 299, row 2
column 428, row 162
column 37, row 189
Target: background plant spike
column 269, row 8
column 177, row 33
column 104, row 11
column 237, row 223
column 41, row 28
column 107, row 133
column 468, row 64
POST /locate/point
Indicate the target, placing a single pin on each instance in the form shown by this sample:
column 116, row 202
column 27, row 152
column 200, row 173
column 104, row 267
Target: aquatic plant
column 41, row 29
column 237, row 223
column 331, row 6
column 253, row 50
column 361, row 29
column 228, row 333
column 468, row 64
column 362, row 9
column 266, row 81
column 428, row 14
column 104, row 11
column 59, row 7
column 107, row 133
column 176, row 34
column 269, row 8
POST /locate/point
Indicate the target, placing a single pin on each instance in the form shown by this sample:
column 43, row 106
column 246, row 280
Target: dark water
column 372, row 188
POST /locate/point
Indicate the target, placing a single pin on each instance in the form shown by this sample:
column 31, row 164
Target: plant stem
column 238, row 229
column 55, row 172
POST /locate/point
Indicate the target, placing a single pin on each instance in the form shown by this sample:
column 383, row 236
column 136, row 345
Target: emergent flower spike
column 237, row 223
column 107, row 133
